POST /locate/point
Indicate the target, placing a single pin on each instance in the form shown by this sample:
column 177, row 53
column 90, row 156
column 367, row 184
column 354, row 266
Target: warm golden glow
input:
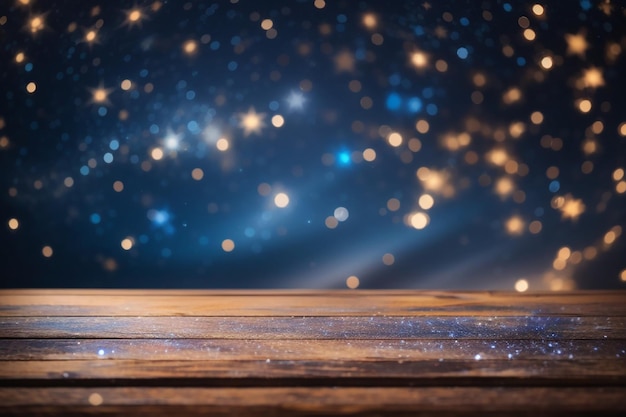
column 251, row 122
column 127, row 243
column 521, row 285
column 515, row 225
column 352, row 282
column 228, row 245
column 47, row 251
column 281, row 200
column 13, row 224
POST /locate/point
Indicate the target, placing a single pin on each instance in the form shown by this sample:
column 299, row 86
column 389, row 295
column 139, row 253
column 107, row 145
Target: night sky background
column 313, row 144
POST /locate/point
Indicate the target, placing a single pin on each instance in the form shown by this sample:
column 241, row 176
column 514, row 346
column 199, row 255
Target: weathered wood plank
column 501, row 328
column 320, row 303
column 282, row 352
column 336, row 372
column 309, row 349
column 466, row 401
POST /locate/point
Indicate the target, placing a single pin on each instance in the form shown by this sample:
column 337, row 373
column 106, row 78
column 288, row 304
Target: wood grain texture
column 367, row 353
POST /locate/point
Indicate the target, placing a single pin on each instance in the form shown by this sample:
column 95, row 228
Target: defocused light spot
column 95, row 399
column 547, row 62
column 514, row 226
column 521, row 285
column 31, row 87
column 126, row 85
column 388, row 259
column 394, row 139
column 157, row 154
column 609, row 237
column 393, row 204
column 36, row 24
column 622, row 275
column 538, row 9
column 222, row 144
column 331, row 222
column 535, row 227
column 14, row 224
column 281, row 200
column 584, row 106
column 622, row 129
column 419, row 220
column 564, row 253
column 341, row 214
column 536, row 117
column 127, row 243
column 20, row 57
column 369, row 20
column 419, row 59
column 529, row 34
column 369, row 154
column 278, row 120
column 422, row 126
column 190, row 47
column 197, row 174
column 228, row 245
column 46, row 251
column 264, row 189
column 118, row 186
column 426, row 201
column 267, row 24
column 352, row 282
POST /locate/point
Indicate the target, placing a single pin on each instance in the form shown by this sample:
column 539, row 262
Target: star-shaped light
column 592, row 78
column 252, row 122
column 296, row 100
column 100, row 95
column 571, row 208
column 134, row 17
column 576, row 44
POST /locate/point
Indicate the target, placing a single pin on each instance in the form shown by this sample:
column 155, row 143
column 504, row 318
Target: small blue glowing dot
column 554, row 186
column 193, row 127
column 344, row 158
column 414, row 104
column 462, row 52
column 108, row 157
column 114, row 145
column 95, row 218
column 274, row 105
column 395, row 79
column 101, row 352
column 232, row 65
column 464, row 21
column 521, row 61
column 154, row 129
column 585, row 4
column 432, row 109
column 190, row 95
column 342, row 18
column 393, row 101
column 28, row 67
column 507, row 7
column 84, row 170
column 249, row 232
column 102, row 111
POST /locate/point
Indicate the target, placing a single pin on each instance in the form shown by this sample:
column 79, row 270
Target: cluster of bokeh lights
column 297, row 119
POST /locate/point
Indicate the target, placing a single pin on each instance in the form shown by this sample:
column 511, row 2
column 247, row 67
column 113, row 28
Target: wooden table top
column 199, row 352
